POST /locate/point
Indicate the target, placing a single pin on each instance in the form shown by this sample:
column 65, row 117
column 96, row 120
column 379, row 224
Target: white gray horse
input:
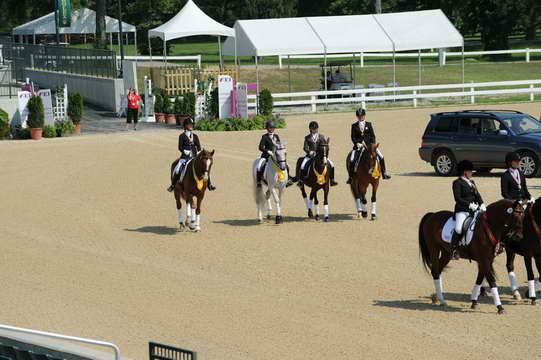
column 276, row 177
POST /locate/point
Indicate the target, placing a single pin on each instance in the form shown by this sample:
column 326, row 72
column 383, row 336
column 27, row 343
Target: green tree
column 101, row 35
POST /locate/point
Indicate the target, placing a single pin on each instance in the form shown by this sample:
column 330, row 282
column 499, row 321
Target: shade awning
column 83, row 21
column 404, row 31
column 190, row 21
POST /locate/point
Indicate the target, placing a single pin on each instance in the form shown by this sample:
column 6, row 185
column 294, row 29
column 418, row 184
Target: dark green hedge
column 238, row 124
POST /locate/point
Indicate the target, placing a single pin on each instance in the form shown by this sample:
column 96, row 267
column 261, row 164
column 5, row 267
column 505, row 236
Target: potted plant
column 158, row 109
column 180, row 110
column 36, row 117
column 168, row 110
column 75, row 110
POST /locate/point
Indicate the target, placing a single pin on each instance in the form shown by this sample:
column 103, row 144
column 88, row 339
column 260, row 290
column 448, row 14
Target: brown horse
column 318, row 178
column 368, row 172
column 502, row 219
column 529, row 247
column 193, row 185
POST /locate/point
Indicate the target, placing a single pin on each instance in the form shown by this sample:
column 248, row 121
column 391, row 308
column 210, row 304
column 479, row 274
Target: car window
column 523, row 124
column 470, row 125
column 491, row 127
column 446, row 125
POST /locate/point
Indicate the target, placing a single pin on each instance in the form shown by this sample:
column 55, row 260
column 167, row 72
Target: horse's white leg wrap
column 496, row 296
column 374, row 208
column 197, row 220
column 364, row 207
column 326, row 210
column 307, row 203
column 475, row 292
column 531, row 288
column 359, row 205
column 317, row 209
column 181, row 217
column 193, row 215
column 513, row 280
column 439, row 290
column 189, row 212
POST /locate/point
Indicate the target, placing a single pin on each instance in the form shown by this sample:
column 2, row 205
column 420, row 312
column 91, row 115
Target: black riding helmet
column 188, row 121
column 313, row 125
column 512, row 156
column 464, row 165
column 360, row 112
column 270, row 125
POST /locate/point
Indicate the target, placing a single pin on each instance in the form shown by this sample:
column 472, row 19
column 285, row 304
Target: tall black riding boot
column 383, row 169
column 454, row 246
column 290, row 180
column 351, row 169
column 260, row 175
column 298, row 175
column 174, row 180
column 331, row 176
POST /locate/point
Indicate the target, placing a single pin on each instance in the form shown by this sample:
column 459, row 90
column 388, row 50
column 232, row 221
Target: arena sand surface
column 90, row 248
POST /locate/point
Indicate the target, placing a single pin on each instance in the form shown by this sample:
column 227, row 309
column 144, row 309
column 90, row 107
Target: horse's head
column 280, row 156
column 372, row 155
column 513, row 228
column 206, row 158
column 322, row 151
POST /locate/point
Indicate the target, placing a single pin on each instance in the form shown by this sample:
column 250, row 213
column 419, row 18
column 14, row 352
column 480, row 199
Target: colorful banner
column 64, row 13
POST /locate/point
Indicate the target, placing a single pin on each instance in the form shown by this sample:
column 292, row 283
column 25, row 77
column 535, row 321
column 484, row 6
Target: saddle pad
column 449, row 228
column 182, row 168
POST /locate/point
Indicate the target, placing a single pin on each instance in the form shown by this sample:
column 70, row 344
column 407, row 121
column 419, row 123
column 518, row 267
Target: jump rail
column 64, row 337
column 196, row 58
column 361, row 56
column 363, row 96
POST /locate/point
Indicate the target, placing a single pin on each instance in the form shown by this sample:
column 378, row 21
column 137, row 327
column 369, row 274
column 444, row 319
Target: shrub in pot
column 49, row 131
column 75, row 110
column 266, row 102
column 36, row 117
column 168, row 110
column 64, row 128
column 180, row 110
column 158, row 109
column 189, row 104
column 4, row 125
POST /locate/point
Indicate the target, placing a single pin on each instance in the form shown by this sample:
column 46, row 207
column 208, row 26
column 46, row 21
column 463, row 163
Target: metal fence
column 165, row 352
column 90, row 62
column 6, row 87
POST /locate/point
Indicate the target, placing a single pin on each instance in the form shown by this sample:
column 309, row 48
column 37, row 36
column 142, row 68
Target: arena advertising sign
column 225, row 86
column 64, row 13
column 23, row 97
column 47, row 99
column 242, row 100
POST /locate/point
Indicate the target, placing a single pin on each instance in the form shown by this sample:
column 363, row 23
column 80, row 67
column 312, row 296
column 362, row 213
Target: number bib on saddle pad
column 468, row 229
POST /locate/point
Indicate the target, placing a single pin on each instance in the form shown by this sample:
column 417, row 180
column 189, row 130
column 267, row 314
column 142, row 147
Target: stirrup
column 333, row 183
column 348, row 181
column 386, row 177
column 455, row 255
column 171, row 188
column 211, row 187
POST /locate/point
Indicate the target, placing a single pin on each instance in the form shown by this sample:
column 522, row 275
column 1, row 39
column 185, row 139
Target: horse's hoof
column 364, row 214
column 359, row 215
column 278, row 220
column 326, row 219
column 269, row 217
column 196, row 229
column 373, row 217
column 260, row 220
column 443, row 304
column 533, row 301
column 310, row 213
column 474, row 305
column 317, row 218
column 434, row 299
column 181, row 227
column 501, row 310
column 516, row 295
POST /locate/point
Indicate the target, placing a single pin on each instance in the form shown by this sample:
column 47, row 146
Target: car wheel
column 484, row 170
column 444, row 163
column 529, row 165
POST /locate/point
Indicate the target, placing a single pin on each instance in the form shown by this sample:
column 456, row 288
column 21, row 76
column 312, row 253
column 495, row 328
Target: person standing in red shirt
column 134, row 101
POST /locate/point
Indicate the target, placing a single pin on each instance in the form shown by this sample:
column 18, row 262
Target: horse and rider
column 190, row 177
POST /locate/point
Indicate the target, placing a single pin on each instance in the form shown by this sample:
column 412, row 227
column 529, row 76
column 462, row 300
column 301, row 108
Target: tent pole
column 150, row 49
column 220, row 52
column 463, row 66
column 165, row 53
column 420, row 69
column 135, row 42
column 325, row 76
column 353, row 70
column 257, row 84
column 236, row 58
column 289, row 73
column 394, row 72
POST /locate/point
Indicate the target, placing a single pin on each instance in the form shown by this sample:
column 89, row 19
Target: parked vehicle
column 483, row 137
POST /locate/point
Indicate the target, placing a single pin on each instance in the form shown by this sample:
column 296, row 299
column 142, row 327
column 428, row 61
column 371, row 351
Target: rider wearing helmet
column 267, row 144
column 189, row 146
column 310, row 147
column 467, row 200
column 362, row 135
column 513, row 182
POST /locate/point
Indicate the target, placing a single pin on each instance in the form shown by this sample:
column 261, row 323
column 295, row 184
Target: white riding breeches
column 379, row 154
column 460, row 217
column 261, row 163
column 179, row 165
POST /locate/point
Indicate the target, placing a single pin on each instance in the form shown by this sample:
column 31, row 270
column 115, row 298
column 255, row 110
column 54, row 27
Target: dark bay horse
column 193, row 186
column 529, row 247
column 318, row 178
column 502, row 218
column 368, row 172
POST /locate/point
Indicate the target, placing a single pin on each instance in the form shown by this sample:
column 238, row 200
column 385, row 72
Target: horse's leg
column 489, row 273
column 438, row 264
column 373, row 215
column 510, row 265
column 531, row 278
column 198, row 214
column 306, row 201
column 313, row 197
column 326, row 202
column 476, row 291
column 268, row 195
column 189, row 218
column 276, row 196
column 180, row 216
column 364, row 206
column 538, row 264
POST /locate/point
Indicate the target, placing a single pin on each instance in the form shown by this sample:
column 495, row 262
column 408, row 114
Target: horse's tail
column 259, row 195
column 423, row 247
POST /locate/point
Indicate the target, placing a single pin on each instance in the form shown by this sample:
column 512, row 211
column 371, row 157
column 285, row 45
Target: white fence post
column 414, row 98
column 531, row 93
column 280, row 61
column 472, row 97
column 314, row 107
column 444, row 58
column 527, row 55
column 363, row 100
column 362, row 60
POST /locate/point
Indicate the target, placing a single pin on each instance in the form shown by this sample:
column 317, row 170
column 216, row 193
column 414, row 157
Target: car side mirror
column 503, row 133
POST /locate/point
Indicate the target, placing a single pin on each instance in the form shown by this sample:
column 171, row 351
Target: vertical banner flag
column 225, row 86
column 64, row 13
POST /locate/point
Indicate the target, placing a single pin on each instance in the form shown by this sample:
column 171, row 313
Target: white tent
column 190, row 21
column 348, row 34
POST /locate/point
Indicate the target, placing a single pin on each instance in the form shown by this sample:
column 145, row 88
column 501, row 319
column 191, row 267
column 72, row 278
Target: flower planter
column 160, row 118
column 77, row 128
column 36, row 133
column 171, row 119
column 181, row 119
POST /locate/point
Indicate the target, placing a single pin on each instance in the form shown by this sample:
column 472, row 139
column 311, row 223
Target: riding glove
column 483, row 208
column 269, row 152
column 188, row 152
column 474, row 207
column 312, row 154
column 359, row 146
column 531, row 201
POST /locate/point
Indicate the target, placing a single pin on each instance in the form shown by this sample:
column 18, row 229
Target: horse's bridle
column 510, row 233
column 276, row 161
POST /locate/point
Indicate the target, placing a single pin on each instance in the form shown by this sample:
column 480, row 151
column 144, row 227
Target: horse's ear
column 328, row 140
column 212, row 152
column 377, row 146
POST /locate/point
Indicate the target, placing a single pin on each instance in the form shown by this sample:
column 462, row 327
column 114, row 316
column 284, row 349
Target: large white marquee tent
column 83, row 21
column 348, row 34
column 190, row 21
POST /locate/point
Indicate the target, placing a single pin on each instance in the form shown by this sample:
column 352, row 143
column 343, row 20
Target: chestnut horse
column 529, row 247
column 502, row 219
column 193, row 185
column 368, row 172
column 318, row 178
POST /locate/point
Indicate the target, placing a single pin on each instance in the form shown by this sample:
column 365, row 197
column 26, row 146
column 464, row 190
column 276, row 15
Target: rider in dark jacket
column 513, row 181
column 267, row 144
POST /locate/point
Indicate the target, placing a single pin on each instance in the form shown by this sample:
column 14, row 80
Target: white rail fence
column 196, row 58
column 444, row 54
column 64, row 337
column 402, row 93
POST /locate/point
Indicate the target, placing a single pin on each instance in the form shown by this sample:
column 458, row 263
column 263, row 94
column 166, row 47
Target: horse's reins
column 490, row 234
column 320, row 177
column 199, row 182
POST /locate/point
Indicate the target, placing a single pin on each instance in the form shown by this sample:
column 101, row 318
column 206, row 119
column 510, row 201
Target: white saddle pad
column 449, row 229
column 182, row 168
